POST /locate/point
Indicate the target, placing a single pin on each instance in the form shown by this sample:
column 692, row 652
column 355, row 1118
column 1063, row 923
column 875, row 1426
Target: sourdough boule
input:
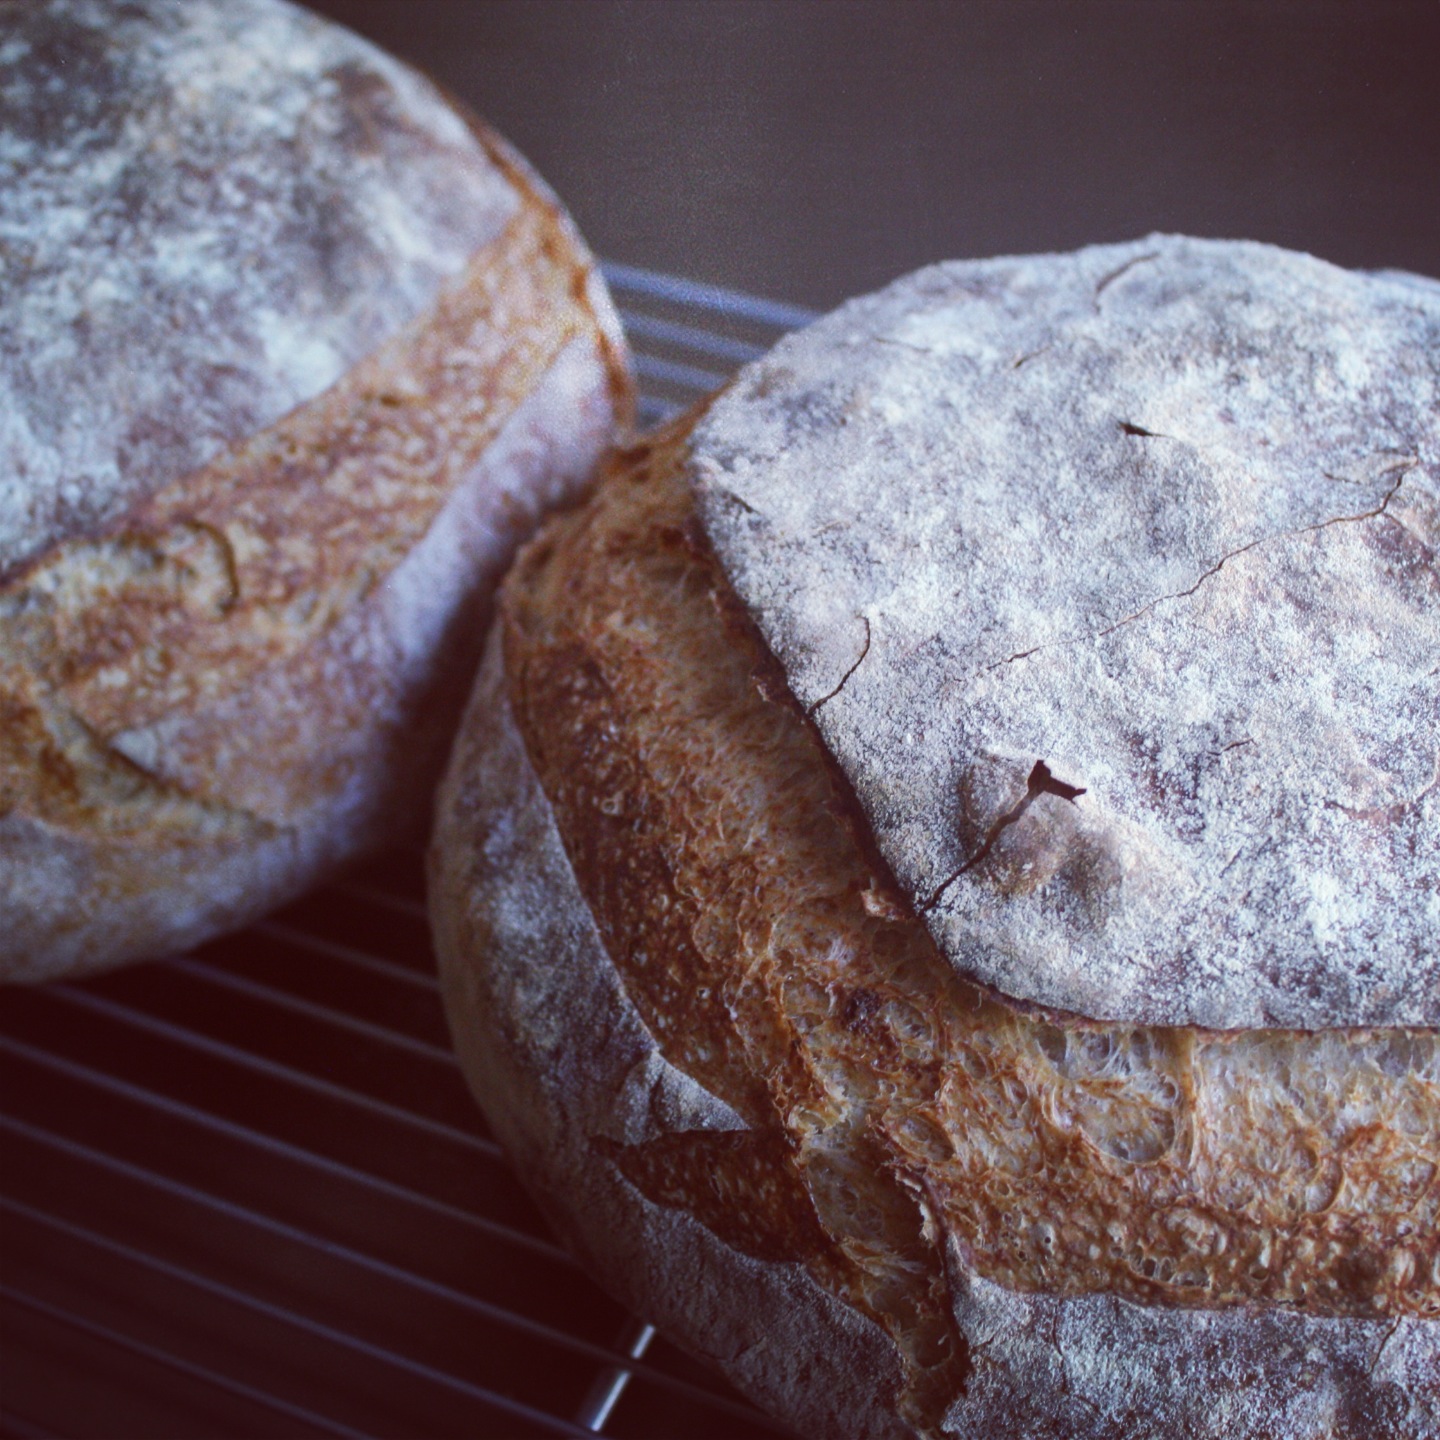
column 292, row 354
column 937, row 887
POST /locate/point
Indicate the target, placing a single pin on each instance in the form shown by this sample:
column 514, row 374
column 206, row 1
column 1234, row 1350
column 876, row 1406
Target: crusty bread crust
column 1060, row 1226
column 563, row 1063
column 215, row 688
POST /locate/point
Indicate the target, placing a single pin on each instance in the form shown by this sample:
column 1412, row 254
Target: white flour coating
column 208, row 213
column 1164, row 516
column 1098, row 1366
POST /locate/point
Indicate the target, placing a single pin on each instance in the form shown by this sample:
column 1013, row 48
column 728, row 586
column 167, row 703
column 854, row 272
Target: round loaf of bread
column 937, row 889
column 292, row 355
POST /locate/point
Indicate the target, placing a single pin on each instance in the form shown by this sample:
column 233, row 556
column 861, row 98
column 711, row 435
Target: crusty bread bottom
column 915, row 1143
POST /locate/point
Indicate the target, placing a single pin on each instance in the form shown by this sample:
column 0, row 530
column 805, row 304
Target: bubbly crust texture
column 564, row 1066
column 276, row 423
column 1110, row 582
column 705, row 1020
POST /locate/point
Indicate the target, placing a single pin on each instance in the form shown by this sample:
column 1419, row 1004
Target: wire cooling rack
column 245, row 1193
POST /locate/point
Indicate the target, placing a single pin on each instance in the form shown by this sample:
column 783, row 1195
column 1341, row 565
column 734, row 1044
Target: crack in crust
column 774, row 960
column 1040, row 782
column 1109, row 279
column 845, row 678
column 1139, row 614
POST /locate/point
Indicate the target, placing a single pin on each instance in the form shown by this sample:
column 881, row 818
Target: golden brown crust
column 566, row 247
column 562, row 1063
column 169, row 685
column 774, row 961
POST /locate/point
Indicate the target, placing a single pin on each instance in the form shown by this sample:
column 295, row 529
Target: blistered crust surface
column 564, row 1067
column 1164, row 517
column 208, row 213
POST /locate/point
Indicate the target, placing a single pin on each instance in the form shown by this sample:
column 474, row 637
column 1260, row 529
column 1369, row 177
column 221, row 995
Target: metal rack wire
column 245, row 1193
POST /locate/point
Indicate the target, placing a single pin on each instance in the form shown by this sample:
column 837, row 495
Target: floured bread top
column 1110, row 581
column 209, row 211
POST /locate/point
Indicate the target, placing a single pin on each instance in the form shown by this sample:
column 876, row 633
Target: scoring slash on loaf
column 292, row 355
column 937, row 888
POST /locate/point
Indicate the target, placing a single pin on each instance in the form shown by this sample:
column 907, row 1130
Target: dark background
column 812, row 149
